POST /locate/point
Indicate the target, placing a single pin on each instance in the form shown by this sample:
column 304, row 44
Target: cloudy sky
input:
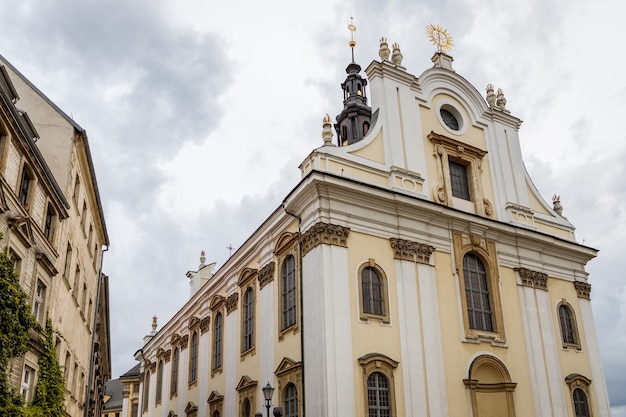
column 199, row 113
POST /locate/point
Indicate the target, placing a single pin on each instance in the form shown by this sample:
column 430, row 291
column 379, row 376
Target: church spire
column 354, row 120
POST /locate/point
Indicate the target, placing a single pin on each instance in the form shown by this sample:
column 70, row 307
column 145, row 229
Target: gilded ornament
column 440, row 38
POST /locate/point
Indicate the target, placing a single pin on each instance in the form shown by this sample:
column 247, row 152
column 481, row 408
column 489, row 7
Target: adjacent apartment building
column 53, row 226
column 414, row 270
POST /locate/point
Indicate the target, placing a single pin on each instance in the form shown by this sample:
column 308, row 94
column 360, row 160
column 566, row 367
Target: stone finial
column 491, row 96
column 327, row 131
column 383, row 51
column 501, row 100
column 556, row 202
column 154, row 323
column 202, row 259
column 396, row 55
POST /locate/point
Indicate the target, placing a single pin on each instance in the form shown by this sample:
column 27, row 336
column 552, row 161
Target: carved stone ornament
column 193, row 322
column 324, row 233
column 266, row 274
column 204, row 324
column 440, row 193
column 488, row 207
column 231, row 302
column 533, row 279
column 475, row 240
column 183, row 342
column 411, row 251
column 583, row 290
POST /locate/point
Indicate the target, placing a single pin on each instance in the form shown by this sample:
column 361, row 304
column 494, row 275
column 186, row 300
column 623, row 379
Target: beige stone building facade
column 53, row 227
column 413, row 271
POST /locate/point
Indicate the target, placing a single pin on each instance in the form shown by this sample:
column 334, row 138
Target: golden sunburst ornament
column 440, row 38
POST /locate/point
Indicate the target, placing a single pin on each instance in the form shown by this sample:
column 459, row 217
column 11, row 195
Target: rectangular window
column 68, row 262
column 76, row 282
column 134, row 410
column 76, row 189
column 217, row 341
column 48, row 226
column 458, row 181
column 39, row 303
column 289, row 292
column 27, row 383
column 83, row 218
column 24, row 186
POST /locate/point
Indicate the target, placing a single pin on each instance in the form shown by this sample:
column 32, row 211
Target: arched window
column 174, row 377
column 477, row 294
column 217, row 341
column 146, row 390
column 373, row 288
column 216, row 414
column 378, row 395
column 159, row 382
column 245, row 408
column 290, row 401
column 193, row 358
column 289, row 292
column 581, row 406
column 568, row 326
column 491, row 390
column 248, row 320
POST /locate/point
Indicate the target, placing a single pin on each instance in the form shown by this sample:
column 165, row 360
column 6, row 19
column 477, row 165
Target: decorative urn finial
column 154, row 323
column 501, row 100
column 396, row 55
column 383, row 51
column 327, row 131
column 491, row 96
column 556, row 202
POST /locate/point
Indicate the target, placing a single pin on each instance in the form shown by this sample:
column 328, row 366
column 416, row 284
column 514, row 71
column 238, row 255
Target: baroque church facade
column 53, row 227
column 414, row 270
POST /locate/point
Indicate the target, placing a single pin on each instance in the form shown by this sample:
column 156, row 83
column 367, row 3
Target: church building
column 413, row 271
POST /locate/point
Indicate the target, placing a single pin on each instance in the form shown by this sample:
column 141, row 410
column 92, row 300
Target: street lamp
column 268, row 393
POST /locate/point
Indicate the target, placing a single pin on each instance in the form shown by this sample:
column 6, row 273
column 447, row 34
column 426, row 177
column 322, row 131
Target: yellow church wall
column 374, row 150
column 473, row 136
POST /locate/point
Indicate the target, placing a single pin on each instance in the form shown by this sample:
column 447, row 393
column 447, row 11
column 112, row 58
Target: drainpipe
column 93, row 337
column 301, row 306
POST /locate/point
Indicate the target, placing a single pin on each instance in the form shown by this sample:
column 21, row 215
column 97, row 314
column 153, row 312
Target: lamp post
column 268, row 393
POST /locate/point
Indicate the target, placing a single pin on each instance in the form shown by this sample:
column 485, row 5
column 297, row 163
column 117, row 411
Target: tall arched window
column 581, row 405
column 290, row 401
column 217, row 341
column 174, row 376
column 193, row 358
column 373, row 292
column 289, row 292
column 159, row 382
column 477, row 294
column 248, row 320
column 245, row 408
column 568, row 326
column 378, row 404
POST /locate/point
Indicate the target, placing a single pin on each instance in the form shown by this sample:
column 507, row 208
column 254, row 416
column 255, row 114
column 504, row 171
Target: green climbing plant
column 50, row 388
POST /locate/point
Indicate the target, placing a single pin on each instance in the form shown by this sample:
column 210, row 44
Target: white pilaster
column 183, row 368
column 597, row 373
column 204, row 353
column 229, row 364
column 266, row 324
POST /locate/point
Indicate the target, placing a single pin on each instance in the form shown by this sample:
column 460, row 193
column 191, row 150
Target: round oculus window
column 449, row 118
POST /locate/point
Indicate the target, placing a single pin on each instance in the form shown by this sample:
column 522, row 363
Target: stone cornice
column 266, row 274
column 533, row 279
column 406, row 250
column 324, row 233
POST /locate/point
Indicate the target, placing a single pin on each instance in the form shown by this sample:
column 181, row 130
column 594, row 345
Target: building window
column 76, row 190
column 290, row 401
column 378, row 384
column 24, row 186
column 581, row 407
column 289, row 291
column 66, row 369
column 567, row 321
column 76, row 282
column 27, row 383
column 193, row 358
column 217, row 341
column 39, row 303
column 146, row 390
column 83, row 218
column 159, row 382
column 248, row 320
column 174, row 377
column 458, row 181
column 477, row 293
column 245, row 408
column 48, row 227
column 373, row 291
column 134, row 410
column 378, row 395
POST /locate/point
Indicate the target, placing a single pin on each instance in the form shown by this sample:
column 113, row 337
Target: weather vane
column 440, row 38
